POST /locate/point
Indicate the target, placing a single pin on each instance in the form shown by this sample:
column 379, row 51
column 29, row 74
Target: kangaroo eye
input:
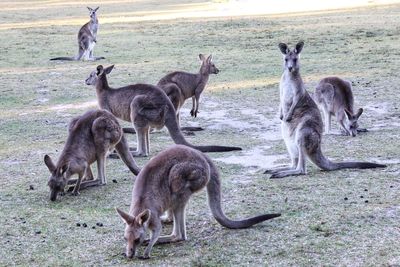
column 295, row 60
column 286, row 59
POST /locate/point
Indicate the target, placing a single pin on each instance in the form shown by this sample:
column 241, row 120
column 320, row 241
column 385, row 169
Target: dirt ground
column 341, row 218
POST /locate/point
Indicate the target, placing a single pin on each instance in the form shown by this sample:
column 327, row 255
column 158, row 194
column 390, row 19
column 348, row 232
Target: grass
column 318, row 226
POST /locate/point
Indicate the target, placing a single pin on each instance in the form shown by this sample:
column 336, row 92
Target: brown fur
column 167, row 182
column 335, row 97
column 90, row 137
column 87, row 38
column 146, row 106
column 180, row 85
column 302, row 122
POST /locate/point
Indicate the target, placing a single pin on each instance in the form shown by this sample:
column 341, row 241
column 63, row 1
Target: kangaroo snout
column 216, row 71
column 290, row 69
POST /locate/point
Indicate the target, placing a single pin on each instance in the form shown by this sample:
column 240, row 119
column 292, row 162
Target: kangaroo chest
column 288, row 91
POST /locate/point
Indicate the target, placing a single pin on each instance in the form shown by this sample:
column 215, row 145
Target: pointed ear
column 97, row 8
column 128, row 219
column 299, row 47
column 108, row 69
column 348, row 114
column 283, row 47
column 99, row 70
column 209, row 59
column 359, row 112
column 202, row 57
column 143, row 217
column 90, row 9
column 49, row 163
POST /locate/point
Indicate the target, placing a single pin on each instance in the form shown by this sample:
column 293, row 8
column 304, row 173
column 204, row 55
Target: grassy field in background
column 348, row 217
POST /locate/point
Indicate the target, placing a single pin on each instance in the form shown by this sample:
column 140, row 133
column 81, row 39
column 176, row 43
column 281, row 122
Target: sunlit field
column 340, row 218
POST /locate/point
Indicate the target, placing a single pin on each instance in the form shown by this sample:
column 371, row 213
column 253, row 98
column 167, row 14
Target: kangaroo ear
column 202, row 57
column 348, row 114
column 108, row 69
column 359, row 112
column 209, row 59
column 99, row 70
column 49, row 163
column 143, row 217
column 283, row 47
column 299, row 47
column 90, row 9
column 97, row 8
column 128, row 219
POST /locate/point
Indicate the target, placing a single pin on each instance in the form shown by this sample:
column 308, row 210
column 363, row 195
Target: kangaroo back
column 214, row 201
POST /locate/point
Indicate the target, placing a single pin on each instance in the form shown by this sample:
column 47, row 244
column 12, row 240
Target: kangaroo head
column 291, row 57
column 135, row 229
column 351, row 122
column 207, row 65
column 95, row 75
column 92, row 12
column 57, row 180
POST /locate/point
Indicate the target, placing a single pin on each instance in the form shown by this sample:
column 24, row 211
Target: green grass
column 318, row 226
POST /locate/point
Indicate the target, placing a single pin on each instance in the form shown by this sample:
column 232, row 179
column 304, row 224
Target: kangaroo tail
column 322, row 162
column 214, row 201
column 177, row 136
column 63, row 58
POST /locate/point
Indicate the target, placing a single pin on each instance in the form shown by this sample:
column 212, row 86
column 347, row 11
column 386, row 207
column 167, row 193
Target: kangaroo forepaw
column 288, row 119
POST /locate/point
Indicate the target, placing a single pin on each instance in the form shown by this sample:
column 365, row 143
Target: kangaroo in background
column 335, row 97
column 302, row 122
column 90, row 137
column 87, row 38
column 146, row 106
column 180, row 86
column 171, row 177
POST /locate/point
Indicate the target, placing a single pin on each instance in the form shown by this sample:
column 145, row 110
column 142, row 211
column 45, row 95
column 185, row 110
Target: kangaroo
column 180, row 86
column 146, row 106
column 90, row 137
column 335, row 97
column 87, row 38
column 302, row 122
column 170, row 178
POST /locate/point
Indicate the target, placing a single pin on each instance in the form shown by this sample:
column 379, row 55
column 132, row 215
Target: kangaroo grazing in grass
column 170, row 178
column 146, row 106
column 90, row 137
column 180, row 86
column 87, row 38
column 302, row 122
column 335, row 97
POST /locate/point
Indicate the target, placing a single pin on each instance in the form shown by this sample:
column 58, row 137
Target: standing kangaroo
column 90, row 137
column 145, row 106
column 335, row 97
column 170, row 178
column 180, row 86
column 87, row 38
column 302, row 122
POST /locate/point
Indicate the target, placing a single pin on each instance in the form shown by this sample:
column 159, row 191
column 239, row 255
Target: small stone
column 99, row 224
column 366, row 201
column 346, row 198
column 391, row 186
column 63, row 218
column 361, row 196
column 84, row 225
column 38, row 232
column 31, row 187
column 78, row 224
column 365, row 190
column 93, row 227
column 114, row 181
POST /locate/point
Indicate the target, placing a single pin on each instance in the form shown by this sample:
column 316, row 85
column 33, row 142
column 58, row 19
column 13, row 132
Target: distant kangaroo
column 180, row 86
column 145, row 106
column 170, row 178
column 87, row 38
column 90, row 137
column 302, row 123
column 335, row 97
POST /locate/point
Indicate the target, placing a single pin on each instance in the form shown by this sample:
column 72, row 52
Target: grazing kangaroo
column 170, row 178
column 146, row 106
column 302, row 122
column 90, row 137
column 87, row 38
column 180, row 86
column 335, row 97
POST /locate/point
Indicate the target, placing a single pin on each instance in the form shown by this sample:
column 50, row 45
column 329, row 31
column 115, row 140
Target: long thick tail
column 214, row 201
column 63, row 58
column 177, row 136
column 322, row 162
column 123, row 151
